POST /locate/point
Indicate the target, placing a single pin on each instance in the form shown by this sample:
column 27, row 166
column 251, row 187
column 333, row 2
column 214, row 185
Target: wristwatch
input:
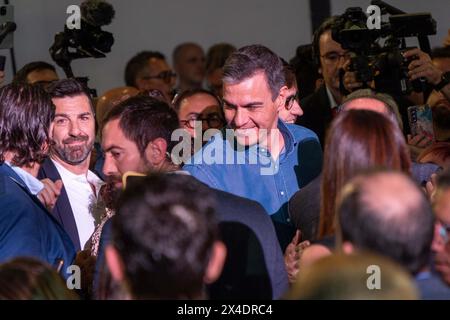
column 445, row 80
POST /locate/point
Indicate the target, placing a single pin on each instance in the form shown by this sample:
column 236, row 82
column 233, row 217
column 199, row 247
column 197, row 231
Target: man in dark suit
column 155, row 122
column 73, row 137
column 320, row 107
column 26, row 227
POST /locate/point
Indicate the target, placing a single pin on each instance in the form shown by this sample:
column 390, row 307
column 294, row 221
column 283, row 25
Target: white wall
column 162, row 24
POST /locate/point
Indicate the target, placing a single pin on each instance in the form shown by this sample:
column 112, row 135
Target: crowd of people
column 234, row 175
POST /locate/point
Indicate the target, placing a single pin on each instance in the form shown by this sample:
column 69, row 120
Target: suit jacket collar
column 62, row 210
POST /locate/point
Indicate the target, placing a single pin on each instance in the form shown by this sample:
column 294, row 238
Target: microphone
column 6, row 28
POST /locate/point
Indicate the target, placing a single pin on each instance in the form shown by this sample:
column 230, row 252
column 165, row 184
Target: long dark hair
column 357, row 140
column 26, row 113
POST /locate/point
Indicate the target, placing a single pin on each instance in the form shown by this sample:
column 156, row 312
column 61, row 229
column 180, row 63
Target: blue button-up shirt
column 253, row 173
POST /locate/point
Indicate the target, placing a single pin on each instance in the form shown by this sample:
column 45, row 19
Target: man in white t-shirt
column 73, row 138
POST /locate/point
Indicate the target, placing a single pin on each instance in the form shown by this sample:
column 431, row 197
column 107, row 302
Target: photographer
column 321, row 106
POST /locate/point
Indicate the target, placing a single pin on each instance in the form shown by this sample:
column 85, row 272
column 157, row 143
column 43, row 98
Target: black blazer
column 317, row 114
column 254, row 268
column 62, row 210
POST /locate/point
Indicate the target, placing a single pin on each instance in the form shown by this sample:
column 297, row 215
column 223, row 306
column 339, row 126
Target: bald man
column 387, row 213
column 190, row 64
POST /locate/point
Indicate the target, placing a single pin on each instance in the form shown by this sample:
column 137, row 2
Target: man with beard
column 137, row 136
column 72, row 140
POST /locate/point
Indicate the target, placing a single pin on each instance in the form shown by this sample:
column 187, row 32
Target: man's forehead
column 327, row 43
column 75, row 105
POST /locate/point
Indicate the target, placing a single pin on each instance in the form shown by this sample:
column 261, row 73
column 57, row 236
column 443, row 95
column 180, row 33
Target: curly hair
column 26, row 113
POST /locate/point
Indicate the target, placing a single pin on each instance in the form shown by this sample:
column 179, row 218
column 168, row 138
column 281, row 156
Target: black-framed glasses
column 166, row 76
column 333, row 57
column 213, row 120
column 290, row 100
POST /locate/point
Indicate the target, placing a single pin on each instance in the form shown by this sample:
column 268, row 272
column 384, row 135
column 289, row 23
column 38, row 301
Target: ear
column 216, row 262
column 281, row 99
column 347, row 247
column 155, row 153
column 114, row 263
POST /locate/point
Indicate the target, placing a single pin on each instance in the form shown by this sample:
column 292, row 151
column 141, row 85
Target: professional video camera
column 376, row 54
column 89, row 41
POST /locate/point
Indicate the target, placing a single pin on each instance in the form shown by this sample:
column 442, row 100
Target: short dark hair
column 405, row 236
column 189, row 93
column 289, row 74
column 69, row 88
column 22, row 74
column 144, row 119
column 328, row 24
column 164, row 231
column 247, row 61
column 26, row 113
column 217, row 55
column 137, row 63
column 440, row 52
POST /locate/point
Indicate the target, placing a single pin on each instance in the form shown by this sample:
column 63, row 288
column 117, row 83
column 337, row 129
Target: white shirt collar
column 89, row 176
column 33, row 184
column 333, row 103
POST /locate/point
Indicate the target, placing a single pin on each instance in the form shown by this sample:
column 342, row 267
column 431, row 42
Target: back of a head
column 31, row 279
column 347, row 277
column 306, row 71
column 358, row 140
column 356, row 100
column 111, row 98
column 250, row 60
column 143, row 119
column 26, row 113
column 217, row 55
column 387, row 213
column 164, row 231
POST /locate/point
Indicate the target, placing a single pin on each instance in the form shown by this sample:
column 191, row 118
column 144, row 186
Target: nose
column 296, row 109
column 74, row 129
column 240, row 118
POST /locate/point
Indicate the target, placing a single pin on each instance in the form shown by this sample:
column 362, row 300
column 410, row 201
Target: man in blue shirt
column 259, row 157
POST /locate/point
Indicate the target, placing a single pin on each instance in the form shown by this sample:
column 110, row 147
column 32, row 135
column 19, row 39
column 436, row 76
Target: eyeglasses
column 166, row 76
column 290, row 100
column 333, row 57
column 213, row 120
column 444, row 231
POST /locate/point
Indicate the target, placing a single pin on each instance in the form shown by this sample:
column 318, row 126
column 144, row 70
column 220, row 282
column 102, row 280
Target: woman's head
column 358, row 140
column 31, row 279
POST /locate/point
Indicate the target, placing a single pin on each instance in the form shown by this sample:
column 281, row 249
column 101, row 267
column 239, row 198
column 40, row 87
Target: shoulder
column 314, row 98
column 301, row 133
column 48, row 170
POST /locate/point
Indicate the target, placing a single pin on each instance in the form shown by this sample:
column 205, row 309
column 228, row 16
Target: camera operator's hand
column 350, row 79
column 417, row 144
column 422, row 66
